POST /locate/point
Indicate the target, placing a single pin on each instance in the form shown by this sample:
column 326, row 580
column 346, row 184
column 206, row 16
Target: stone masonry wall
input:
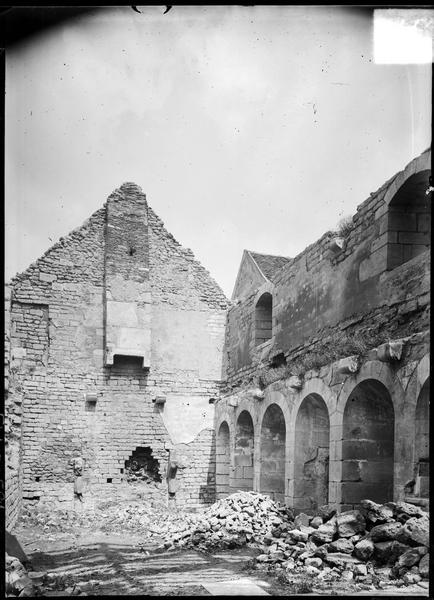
column 58, row 349
column 12, row 427
column 321, row 294
column 356, row 467
column 347, row 364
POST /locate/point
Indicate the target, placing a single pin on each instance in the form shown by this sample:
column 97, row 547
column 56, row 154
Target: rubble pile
column 18, row 580
column 241, row 518
column 390, row 540
column 142, row 513
column 392, row 537
column 24, row 583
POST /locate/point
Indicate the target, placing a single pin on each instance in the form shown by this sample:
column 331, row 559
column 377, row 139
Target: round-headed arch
column 263, row 318
column 222, row 460
column 418, row 165
column 243, row 452
column 409, row 220
column 368, row 444
column 311, row 454
column 273, row 442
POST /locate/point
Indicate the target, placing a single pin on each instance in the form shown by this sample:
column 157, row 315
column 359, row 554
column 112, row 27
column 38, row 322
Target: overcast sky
column 256, row 127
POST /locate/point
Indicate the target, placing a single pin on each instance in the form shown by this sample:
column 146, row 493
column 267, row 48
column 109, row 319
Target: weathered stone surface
column 360, row 570
column 324, row 533
column 57, row 309
column 409, row 578
column 326, row 512
column 347, row 575
column 424, row 566
column 262, row 558
column 341, row 559
column 313, row 562
column 350, row 523
column 342, row 545
column 316, row 522
column 411, row 557
column 312, row 571
column 364, row 549
column 277, row 555
column 388, row 552
column 298, row 536
column 416, row 531
column 302, row 519
column 322, row 551
column 386, row 531
column 408, row 510
column 377, row 513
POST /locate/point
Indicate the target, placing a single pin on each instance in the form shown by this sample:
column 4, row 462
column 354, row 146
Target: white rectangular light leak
column 403, row 36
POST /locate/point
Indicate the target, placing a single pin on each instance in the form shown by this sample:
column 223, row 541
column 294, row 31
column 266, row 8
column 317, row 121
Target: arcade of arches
column 306, row 451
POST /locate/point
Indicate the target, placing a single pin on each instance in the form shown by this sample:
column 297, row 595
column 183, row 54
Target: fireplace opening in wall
column 142, row 467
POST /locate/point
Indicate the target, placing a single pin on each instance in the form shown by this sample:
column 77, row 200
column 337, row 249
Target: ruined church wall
column 349, row 469
column 321, row 293
column 57, row 357
column 347, row 364
column 12, row 426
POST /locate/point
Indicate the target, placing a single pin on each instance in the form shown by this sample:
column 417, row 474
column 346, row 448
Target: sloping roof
column 268, row 263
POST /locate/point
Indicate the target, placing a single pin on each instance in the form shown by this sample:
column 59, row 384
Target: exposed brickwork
column 13, row 427
column 197, row 480
column 58, row 338
column 120, row 313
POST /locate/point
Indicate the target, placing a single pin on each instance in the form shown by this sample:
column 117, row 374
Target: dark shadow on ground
column 120, row 569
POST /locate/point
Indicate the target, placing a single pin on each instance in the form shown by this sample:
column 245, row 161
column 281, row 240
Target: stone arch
column 243, row 452
column 420, row 163
column 273, row 443
column 311, row 455
column 373, row 369
column 409, row 220
column 263, row 318
column 421, row 442
column 368, row 444
column 223, row 460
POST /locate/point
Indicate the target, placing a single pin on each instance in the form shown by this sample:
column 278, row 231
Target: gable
column 249, row 277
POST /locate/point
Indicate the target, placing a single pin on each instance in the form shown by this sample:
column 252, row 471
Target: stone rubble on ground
column 372, row 546
column 18, row 582
column 21, row 583
column 140, row 510
column 375, row 546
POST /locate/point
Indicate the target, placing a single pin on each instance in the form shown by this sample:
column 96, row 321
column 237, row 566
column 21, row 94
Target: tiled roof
column 268, row 263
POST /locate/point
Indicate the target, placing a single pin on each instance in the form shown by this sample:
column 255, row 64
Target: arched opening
column 421, row 446
column 368, row 444
column 222, row 461
column 409, row 221
column 273, row 435
column 311, row 468
column 264, row 319
column 243, row 455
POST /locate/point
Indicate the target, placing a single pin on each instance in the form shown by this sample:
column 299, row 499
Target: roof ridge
column 268, row 254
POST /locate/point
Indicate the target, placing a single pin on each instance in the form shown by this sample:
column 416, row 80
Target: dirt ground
column 100, row 563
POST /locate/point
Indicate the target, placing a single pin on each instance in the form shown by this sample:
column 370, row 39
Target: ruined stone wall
column 322, row 296
column 359, row 461
column 74, row 404
column 347, row 364
column 12, row 427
